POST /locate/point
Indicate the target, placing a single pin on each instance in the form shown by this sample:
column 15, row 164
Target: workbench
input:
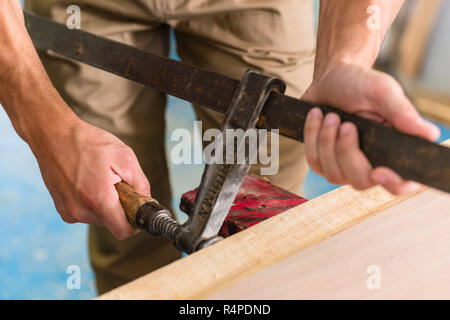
column 331, row 247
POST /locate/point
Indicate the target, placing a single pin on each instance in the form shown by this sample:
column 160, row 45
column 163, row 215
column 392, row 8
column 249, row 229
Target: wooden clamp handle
column 131, row 200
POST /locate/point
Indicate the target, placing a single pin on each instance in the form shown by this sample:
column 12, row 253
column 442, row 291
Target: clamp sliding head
column 221, row 181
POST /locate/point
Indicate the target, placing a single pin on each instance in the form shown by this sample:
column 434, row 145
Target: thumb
column 389, row 99
column 414, row 124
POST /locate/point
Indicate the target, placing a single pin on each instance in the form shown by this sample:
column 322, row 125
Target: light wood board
column 242, row 255
column 235, row 258
column 405, row 248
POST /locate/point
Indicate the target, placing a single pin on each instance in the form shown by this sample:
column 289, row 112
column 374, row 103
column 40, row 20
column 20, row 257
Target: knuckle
column 357, row 186
column 128, row 153
column 331, row 180
column 59, row 208
column 335, row 178
column 309, row 131
column 68, row 219
column 65, row 212
column 311, row 127
column 343, row 146
column 361, row 185
column 74, row 214
column 314, row 163
column 396, row 190
column 317, row 169
column 130, row 157
column 326, row 138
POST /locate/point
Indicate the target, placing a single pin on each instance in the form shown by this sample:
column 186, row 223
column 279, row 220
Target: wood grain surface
column 220, row 268
column 407, row 247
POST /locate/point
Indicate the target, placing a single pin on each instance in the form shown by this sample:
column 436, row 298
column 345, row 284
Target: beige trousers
column 225, row 36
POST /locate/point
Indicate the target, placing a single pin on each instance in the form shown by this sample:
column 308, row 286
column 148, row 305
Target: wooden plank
column 406, row 245
column 217, row 267
column 235, row 258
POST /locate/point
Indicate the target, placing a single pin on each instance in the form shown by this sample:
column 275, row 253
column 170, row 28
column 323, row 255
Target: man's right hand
column 80, row 163
column 80, row 166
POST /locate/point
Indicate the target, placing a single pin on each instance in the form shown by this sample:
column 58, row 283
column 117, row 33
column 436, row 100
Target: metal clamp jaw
column 221, row 181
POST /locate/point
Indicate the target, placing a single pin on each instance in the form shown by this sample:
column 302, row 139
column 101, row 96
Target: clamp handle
column 143, row 212
column 131, row 200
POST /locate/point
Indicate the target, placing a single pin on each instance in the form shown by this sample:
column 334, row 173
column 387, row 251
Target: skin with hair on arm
column 343, row 77
column 80, row 163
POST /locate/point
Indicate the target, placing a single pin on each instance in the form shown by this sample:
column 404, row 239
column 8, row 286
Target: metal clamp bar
column 383, row 146
column 221, row 181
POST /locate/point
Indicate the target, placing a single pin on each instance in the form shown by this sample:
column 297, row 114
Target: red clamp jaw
column 256, row 201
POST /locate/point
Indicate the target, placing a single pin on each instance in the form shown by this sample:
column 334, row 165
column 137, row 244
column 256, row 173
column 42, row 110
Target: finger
column 313, row 124
column 113, row 215
column 100, row 197
column 392, row 182
column 84, row 215
column 128, row 168
column 58, row 203
column 327, row 149
column 80, row 214
column 388, row 97
column 75, row 212
column 353, row 163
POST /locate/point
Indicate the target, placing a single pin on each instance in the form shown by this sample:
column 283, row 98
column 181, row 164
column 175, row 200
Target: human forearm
column 345, row 36
column 26, row 92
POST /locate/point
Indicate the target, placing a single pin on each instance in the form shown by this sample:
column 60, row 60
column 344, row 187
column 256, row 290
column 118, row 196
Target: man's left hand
column 332, row 147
